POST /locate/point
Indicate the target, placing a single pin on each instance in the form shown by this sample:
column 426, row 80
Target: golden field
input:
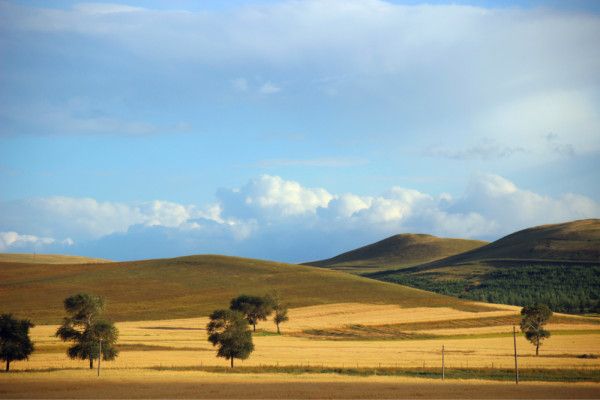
column 385, row 343
column 197, row 384
column 174, row 358
column 182, row 342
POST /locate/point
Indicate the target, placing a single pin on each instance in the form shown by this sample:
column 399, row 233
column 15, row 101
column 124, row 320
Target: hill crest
column 193, row 286
column 398, row 250
column 574, row 241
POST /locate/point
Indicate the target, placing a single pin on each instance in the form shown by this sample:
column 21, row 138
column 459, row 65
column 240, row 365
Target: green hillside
column 49, row 259
column 555, row 264
column 396, row 252
column 191, row 287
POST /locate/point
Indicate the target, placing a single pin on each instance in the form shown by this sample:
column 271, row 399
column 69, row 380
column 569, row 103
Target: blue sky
column 292, row 130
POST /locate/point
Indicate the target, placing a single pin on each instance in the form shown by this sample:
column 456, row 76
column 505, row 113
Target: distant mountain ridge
column 558, row 264
column 397, row 251
column 569, row 241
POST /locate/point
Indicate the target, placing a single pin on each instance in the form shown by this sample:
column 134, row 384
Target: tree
column 533, row 319
column 254, row 308
column 280, row 309
column 84, row 327
column 228, row 329
column 15, row 343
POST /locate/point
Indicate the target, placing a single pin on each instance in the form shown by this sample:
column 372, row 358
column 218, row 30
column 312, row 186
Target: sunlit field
column 176, row 352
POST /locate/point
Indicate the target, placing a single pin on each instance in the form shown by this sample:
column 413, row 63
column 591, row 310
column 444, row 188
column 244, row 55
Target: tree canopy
column 254, row 308
column 533, row 319
column 86, row 329
column 15, row 343
column 228, row 329
column 280, row 309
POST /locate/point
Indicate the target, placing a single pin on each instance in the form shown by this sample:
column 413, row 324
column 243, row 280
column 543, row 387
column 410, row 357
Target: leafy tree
column 254, row 308
column 280, row 309
column 15, row 343
column 228, row 329
column 532, row 324
column 84, row 327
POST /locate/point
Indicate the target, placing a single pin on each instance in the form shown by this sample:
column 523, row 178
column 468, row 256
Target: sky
column 292, row 130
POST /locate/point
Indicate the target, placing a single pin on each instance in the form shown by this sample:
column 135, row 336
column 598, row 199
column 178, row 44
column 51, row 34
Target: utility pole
column 516, row 362
column 99, row 356
column 443, row 366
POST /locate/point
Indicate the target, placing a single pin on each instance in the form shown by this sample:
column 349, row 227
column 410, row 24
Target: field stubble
column 182, row 342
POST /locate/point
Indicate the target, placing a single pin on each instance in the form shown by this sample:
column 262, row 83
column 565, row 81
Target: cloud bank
column 457, row 75
column 273, row 218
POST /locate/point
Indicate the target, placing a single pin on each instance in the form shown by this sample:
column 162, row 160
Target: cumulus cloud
column 88, row 218
column 270, row 217
column 14, row 241
column 272, row 197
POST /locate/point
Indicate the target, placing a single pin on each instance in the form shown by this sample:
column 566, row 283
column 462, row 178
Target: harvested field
column 172, row 358
column 182, row 342
column 163, row 384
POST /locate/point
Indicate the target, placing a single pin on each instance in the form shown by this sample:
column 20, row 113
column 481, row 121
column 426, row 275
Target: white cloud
column 269, row 88
column 510, row 208
column 13, row 241
column 86, row 218
column 272, row 197
column 270, row 217
column 509, row 74
column 528, row 120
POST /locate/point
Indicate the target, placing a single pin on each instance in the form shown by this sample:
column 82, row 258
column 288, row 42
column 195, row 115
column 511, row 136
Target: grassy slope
column 48, row 259
column 571, row 242
column 560, row 251
column 191, row 286
column 397, row 251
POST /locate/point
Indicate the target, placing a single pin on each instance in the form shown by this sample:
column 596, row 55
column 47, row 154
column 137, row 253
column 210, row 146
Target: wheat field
column 182, row 342
column 176, row 351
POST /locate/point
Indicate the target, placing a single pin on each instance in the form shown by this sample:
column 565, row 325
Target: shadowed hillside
column 398, row 251
column 49, row 259
column 556, row 264
column 571, row 241
column 191, row 287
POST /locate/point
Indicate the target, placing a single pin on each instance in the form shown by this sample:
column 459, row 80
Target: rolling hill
column 192, row 286
column 49, row 259
column 397, row 251
column 556, row 264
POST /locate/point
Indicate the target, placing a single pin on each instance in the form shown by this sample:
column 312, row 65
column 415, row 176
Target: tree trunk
column 7, row 365
column 231, row 362
column 254, row 327
column 537, row 348
column 278, row 332
column 91, row 362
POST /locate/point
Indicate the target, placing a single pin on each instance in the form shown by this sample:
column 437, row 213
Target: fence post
column 443, row 365
column 516, row 362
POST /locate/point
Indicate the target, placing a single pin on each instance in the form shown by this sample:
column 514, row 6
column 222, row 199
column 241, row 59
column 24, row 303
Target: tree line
column 229, row 329
column 572, row 289
column 93, row 336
